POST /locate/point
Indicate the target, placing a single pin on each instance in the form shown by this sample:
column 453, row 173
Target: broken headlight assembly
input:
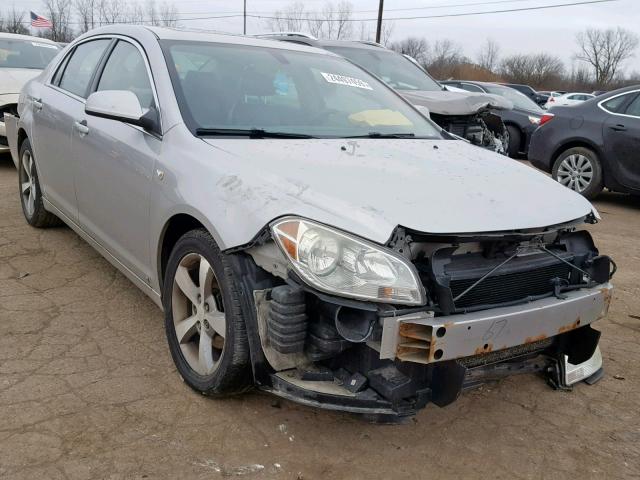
column 341, row 264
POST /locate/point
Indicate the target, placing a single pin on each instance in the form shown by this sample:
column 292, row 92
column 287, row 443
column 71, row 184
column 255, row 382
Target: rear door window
column 82, row 65
column 617, row 104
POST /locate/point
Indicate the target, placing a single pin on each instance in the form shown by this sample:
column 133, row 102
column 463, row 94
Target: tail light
column 552, row 99
column 547, row 117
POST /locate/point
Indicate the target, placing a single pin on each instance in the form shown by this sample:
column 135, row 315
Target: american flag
column 38, row 21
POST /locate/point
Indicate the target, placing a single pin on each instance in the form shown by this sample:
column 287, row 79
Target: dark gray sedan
column 593, row 145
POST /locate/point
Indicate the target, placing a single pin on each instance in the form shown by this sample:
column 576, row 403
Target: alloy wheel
column 575, row 172
column 28, row 183
column 198, row 314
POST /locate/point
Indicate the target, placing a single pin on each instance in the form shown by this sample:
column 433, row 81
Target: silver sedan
column 303, row 227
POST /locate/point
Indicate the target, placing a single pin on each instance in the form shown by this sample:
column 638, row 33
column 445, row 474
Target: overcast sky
column 551, row 30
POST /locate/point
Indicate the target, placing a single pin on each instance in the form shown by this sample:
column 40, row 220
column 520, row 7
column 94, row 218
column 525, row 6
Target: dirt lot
column 88, row 389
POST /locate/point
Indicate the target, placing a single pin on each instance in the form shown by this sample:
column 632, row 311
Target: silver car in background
column 22, row 58
column 304, row 228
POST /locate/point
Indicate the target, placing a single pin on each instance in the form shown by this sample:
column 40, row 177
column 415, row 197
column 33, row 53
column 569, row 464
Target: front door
column 115, row 163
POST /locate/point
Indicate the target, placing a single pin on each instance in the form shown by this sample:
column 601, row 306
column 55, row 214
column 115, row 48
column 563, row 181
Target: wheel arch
column 511, row 123
column 22, row 136
column 174, row 228
column 580, row 142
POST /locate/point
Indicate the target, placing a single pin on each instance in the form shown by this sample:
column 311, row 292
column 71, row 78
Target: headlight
column 534, row 120
column 340, row 264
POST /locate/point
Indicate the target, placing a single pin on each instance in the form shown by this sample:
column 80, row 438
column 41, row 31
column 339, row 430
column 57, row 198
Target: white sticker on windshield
column 45, row 45
column 348, row 81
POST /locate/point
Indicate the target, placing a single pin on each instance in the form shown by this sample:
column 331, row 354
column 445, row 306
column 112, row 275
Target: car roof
column 304, row 39
column 164, row 33
column 28, row 38
column 474, row 82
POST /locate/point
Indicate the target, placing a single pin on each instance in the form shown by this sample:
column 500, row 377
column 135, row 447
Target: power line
column 421, row 17
column 429, row 7
column 464, row 14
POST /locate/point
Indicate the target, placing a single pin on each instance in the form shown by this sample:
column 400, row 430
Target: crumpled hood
column 431, row 186
column 456, row 103
column 13, row 79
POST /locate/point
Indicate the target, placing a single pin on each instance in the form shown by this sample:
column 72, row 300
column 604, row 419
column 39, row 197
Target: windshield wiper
column 248, row 132
column 384, row 135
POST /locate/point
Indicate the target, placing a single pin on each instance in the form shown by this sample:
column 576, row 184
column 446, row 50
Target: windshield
column 246, row 88
column 519, row 100
column 396, row 70
column 26, row 54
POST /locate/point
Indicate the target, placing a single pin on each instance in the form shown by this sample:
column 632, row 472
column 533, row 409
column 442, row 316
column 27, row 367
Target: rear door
column 115, row 164
column 621, row 134
column 54, row 112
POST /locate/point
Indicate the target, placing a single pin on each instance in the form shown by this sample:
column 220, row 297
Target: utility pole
column 244, row 30
column 379, row 29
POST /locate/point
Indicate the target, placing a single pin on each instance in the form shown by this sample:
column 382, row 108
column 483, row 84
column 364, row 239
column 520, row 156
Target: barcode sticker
column 344, row 80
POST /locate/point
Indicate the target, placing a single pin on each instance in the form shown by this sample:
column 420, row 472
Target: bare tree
column 332, row 21
column 168, row 15
column 444, row 58
column 489, row 54
column 13, row 22
column 59, row 13
column 415, row 47
column 537, row 70
column 606, row 51
column 343, row 19
column 152, row 16
column 111, row 11
column 291, row 19
column 86, row 13
column 368, row 32
column 387, row 31
column 445, row 50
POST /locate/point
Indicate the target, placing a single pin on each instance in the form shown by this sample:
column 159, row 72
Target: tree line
column 70, row 18
column 599, row 60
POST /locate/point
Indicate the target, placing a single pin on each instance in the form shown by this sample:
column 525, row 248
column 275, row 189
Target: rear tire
column 203, row 318
column 579, row 169
column 515, row 140
column 30, row 191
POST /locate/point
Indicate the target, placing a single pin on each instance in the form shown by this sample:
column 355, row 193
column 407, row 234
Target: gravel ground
column 88, row 389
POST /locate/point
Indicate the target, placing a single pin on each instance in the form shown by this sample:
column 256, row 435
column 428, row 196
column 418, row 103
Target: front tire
column 515, row 140
column 203, row 318
column 579, row 169
column 30, row 191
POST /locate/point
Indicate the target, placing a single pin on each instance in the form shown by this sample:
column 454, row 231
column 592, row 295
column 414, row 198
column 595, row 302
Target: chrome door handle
column 37, row 103
column 81, row 127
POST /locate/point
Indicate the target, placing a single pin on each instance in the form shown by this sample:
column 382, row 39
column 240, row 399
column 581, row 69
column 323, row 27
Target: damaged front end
column 471, row 116
column 483, row 307
column 483, row 129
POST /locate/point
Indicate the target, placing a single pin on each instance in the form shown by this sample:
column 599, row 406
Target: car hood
column 13, row 79
column 456, row 103
column 368, row 187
